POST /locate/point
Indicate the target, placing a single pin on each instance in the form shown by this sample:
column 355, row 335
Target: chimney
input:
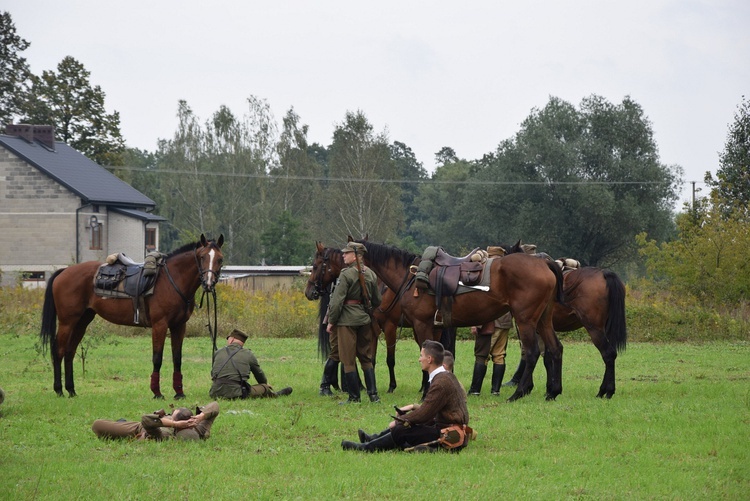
column 45, row 134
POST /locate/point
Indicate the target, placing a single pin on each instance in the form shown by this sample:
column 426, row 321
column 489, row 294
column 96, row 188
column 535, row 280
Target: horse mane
column 381, row 254
column 184, row 248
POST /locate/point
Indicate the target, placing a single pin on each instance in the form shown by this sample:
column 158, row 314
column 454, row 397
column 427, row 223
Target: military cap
column 354, row 247
column 238, row 334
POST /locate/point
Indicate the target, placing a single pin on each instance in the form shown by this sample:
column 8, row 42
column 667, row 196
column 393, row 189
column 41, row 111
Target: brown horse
column 70, row 302
column 519, row 283
column 594, row 299
column 327, row 265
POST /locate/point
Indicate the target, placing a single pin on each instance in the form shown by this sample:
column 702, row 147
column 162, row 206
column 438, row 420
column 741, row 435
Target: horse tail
column 559, row 297
column 48, row 334
column 616, row 327
column 324, row 342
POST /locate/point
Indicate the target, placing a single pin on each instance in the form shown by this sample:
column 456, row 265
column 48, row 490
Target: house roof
column 81, row 175
column 138, row 214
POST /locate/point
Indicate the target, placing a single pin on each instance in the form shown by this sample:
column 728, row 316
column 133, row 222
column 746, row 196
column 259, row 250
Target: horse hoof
column 158, row 397
column 179, row 396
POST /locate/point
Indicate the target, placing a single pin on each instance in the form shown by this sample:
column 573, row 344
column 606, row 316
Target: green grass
column 678, row 428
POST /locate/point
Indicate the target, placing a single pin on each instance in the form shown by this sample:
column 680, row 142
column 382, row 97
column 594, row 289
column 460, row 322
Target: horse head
column 326, row 267
column 209, row 259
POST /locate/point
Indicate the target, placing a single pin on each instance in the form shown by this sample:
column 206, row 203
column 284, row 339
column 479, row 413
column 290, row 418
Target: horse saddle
column 121, row 277
column 449, row 271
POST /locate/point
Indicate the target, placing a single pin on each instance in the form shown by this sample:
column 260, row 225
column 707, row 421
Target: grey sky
column 433, row 73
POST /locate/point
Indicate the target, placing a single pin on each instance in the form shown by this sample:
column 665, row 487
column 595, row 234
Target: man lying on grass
column 181, row 424
column 440, row 422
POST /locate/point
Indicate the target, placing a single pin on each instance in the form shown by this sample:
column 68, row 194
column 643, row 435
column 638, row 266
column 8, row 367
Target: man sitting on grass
column 439, row 422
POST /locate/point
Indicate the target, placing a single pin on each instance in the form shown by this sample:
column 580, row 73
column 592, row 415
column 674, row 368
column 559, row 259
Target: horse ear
column 319, row 246
column 203, row 240
column 367, row 237
column 220, row 241
column 349, row 238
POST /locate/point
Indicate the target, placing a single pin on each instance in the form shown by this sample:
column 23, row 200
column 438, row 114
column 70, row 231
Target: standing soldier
column 350, row 315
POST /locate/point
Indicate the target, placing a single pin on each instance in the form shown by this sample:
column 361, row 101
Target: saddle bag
column 455, row 436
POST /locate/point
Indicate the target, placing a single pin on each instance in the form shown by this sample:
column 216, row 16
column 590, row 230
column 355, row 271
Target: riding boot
column 329, row 374
column 352, row 387
column 498, row 371
column 476, row 381
column 383, row 443
column 517, row 376
column 372, row 389
column 365, row 437
column 283, row 392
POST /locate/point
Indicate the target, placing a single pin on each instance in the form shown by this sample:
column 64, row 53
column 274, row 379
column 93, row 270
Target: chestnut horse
column 327, row 265
column 70, row 302
column 526, row 286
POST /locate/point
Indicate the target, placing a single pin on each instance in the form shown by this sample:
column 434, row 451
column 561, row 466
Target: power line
column 391, row 181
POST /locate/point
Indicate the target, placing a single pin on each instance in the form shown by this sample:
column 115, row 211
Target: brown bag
column 454, row 436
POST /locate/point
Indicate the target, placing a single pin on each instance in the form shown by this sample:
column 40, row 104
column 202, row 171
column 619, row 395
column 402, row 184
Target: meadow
column 677, row 428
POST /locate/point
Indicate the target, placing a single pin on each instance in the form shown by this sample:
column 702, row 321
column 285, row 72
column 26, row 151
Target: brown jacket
column 444, row 404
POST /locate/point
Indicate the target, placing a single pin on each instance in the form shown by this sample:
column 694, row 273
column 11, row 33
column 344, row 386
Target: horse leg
column 553, row 351
column 609, row 354
column 158, row 335
column 390, row 359
column 177, row 337
column 531, row 352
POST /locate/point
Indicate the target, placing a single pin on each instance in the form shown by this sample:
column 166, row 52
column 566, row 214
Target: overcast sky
column 431, row 73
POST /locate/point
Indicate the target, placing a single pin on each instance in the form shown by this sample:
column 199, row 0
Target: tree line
column 582, row 181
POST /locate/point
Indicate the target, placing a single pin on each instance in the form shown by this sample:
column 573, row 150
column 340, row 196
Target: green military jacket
column 349, row 289
column 226, row 376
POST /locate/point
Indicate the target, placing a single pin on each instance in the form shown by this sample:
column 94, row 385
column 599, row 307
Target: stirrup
column 437, row 322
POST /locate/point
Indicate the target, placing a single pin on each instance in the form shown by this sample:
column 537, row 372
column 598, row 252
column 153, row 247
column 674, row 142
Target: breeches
column 414, row 435
column 104, row 428
column 494, row 346
column 355, row 343
column 333, row 337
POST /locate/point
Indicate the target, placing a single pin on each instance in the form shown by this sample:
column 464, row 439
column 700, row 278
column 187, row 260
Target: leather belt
column 352, row 301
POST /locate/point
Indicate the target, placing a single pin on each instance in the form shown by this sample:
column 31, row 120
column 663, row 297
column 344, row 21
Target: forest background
column 583, row 181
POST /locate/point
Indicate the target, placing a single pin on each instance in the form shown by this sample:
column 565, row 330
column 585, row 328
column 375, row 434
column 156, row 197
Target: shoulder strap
column 227, row 361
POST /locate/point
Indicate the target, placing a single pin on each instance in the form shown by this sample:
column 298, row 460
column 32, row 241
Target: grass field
column 678, row 428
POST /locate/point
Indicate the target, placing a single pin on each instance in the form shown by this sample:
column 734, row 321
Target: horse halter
column 203, row 274
column 324, row 268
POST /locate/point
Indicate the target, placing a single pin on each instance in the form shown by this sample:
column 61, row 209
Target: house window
column 96, row 236
column 32, row 279
column 150, row 239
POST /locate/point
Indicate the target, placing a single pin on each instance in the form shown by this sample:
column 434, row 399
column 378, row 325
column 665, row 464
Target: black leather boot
column 329, row 376
column 365, row 437
column 372, row 388
column 517, row 376
column 498, row 371
column 352, row 387
column 476, row 380
column 283, row 392
column 383, row 443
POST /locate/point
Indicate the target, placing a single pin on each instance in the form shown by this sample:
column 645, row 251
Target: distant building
column 58, row 207
column 263, row 278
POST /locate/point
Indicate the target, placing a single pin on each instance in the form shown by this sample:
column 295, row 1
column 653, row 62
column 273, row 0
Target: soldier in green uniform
column 347, row 315
column 231, row 371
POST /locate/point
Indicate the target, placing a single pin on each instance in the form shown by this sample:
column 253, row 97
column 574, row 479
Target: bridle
column 325, row 267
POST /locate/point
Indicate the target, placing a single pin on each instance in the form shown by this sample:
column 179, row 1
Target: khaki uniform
column 233, row 364
column 352, row 323
column 150, row 427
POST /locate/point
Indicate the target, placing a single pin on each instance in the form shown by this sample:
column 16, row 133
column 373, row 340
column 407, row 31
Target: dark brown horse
column 70, row 302
column 519, row 283
column 594, row 299
column 327, row 265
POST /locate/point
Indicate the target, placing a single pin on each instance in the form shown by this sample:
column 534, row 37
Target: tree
column 285, row 243
column 362, row 196
column 706, row 261
column 67, row 100
column 413, row 173
column 14, row 71
column 581, row 182
column 732, row 183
